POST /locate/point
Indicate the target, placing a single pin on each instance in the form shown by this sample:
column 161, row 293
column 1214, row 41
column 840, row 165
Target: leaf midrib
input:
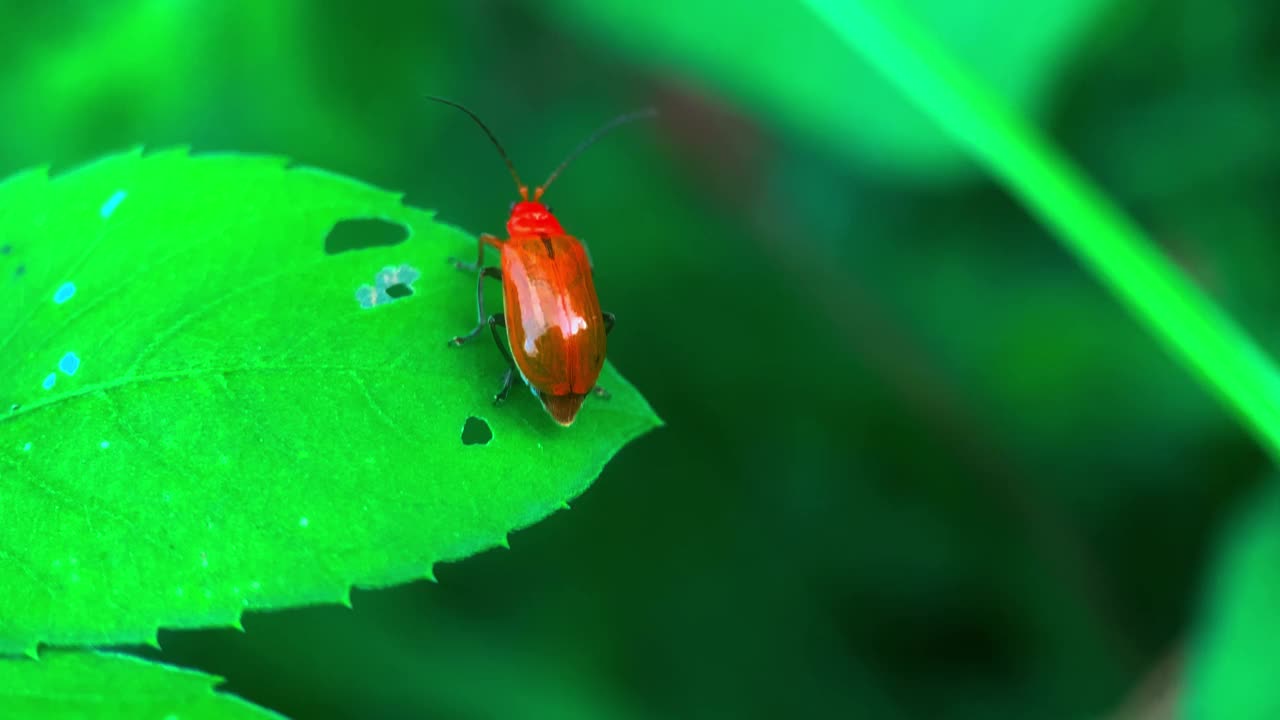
column 187, row 374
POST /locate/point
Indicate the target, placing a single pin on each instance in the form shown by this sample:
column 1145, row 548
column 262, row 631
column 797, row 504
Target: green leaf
column 1179, row 314
column 205, row 419
column 106, row 686
column 1236, row 649
column 775, row 55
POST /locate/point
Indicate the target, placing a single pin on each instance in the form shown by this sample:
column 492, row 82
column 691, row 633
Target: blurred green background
column 917, row 463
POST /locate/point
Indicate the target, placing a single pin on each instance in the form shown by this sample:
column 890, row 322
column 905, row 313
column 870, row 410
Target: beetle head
column 530, row 217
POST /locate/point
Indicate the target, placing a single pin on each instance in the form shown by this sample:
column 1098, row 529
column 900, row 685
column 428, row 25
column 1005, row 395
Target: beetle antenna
column 524, row 189
column 604, row 129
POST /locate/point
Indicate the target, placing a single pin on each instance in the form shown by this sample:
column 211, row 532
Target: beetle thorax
column 529, row 217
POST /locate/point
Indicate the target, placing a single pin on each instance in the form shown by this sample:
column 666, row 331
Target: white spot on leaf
column 401, row 278
column 366, row 296
column 65, row 292
column 109, row 207
column 389, row 276
column 69, row 363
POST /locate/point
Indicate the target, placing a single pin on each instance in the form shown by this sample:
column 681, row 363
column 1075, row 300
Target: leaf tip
column 504, row 542
column 32, row 651
column 345, row 598
column 153, row 640
column 430, row 574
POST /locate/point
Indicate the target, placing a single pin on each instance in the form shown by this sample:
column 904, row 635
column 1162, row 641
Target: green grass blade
column 1107, row 242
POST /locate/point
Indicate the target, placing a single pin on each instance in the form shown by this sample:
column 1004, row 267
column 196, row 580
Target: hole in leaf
column 390, row 284
column 476, row 432
column 362, row 234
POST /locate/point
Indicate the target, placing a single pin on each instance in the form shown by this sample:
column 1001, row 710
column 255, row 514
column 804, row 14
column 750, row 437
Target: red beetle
column 555, row 328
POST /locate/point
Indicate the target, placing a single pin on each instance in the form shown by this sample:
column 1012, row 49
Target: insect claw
column 507, row 380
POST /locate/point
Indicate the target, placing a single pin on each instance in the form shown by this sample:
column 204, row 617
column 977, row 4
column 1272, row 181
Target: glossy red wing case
column 554, row 322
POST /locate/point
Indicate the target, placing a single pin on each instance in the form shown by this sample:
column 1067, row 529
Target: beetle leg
column 498, row 320
column 508, row 379
column 492, row 272
column 484, row 239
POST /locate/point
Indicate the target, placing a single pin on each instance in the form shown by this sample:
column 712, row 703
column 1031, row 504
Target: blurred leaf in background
column 778, row 56
column 1233, row 670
